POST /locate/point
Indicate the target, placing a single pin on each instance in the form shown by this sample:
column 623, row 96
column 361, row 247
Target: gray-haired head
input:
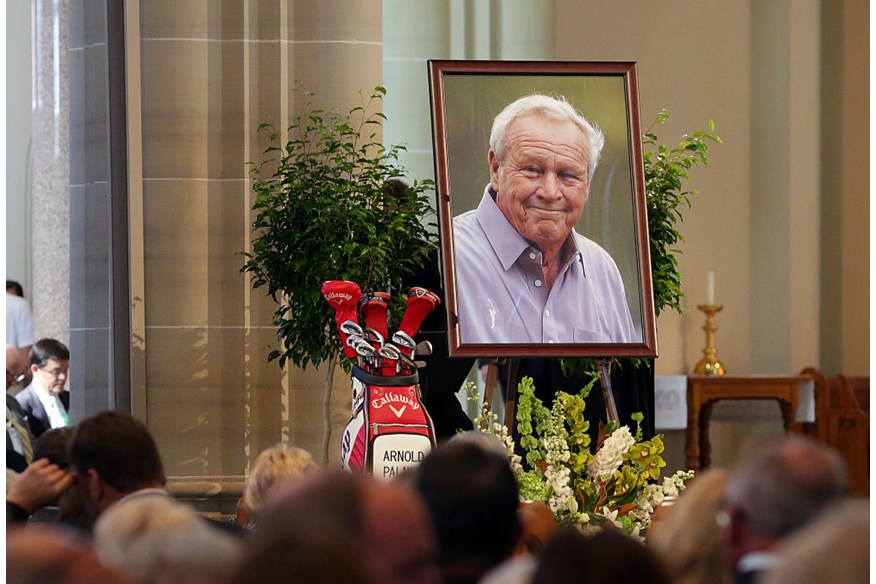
column 552, row 108
column 783, row 484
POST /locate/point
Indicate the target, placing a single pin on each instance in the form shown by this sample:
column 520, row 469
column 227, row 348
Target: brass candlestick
column 709, row 365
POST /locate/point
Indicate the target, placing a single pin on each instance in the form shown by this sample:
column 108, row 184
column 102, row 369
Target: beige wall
column 754, row 67
column 693, row 61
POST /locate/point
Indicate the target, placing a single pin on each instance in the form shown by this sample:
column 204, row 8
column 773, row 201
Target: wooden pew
column 842, row 420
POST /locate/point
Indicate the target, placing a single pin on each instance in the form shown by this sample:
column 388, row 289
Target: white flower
column 610, row 457
column 611, row 516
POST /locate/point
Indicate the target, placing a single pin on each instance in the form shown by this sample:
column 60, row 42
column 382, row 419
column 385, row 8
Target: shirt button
column 538, row 283
column 550, row 340
column 532, row 255
column 547, row 312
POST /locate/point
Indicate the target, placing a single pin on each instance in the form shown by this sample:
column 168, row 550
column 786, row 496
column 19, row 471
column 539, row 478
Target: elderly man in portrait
column 523, row 274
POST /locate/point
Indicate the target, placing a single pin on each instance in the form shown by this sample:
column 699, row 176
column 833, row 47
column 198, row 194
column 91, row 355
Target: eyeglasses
column 56, row 373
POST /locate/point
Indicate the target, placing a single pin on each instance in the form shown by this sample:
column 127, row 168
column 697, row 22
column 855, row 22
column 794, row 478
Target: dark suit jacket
column 15, row 460
column 37, row 416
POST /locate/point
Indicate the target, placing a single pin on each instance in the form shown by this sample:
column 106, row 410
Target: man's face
column 542, row 183
column 52, row 375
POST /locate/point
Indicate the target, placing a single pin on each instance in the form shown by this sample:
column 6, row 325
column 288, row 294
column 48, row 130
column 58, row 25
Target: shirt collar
column 504, row 239
column 757, row 562
column 142, row 492
column 46, row 398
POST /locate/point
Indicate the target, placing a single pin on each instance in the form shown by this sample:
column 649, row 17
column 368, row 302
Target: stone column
column 50, row 227
column 785, row 206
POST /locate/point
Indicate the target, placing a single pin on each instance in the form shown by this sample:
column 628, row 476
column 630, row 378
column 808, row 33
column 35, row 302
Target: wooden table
column 704, row 390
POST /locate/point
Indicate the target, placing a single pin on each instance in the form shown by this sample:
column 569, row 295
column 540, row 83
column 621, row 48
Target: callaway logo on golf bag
column 389, row 430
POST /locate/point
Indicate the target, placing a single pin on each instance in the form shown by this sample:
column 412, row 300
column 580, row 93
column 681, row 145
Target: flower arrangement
column 618, row 484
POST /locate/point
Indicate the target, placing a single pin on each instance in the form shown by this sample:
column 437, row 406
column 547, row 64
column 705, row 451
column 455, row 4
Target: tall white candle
column 710, row 287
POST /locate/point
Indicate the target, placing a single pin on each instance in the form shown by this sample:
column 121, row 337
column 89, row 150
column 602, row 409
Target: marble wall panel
column 226, row 238
column 96, row 129
column 348, row 22
column 334, row 72
column 226, row 114
column 91, row 360
column 175, row 226
column 195, row 400
column 90, row 244
column 217, row 19
column 175, row 108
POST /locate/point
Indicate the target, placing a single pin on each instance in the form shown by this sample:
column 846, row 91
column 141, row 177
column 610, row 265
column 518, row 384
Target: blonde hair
column 688, row 540
column 273, row 465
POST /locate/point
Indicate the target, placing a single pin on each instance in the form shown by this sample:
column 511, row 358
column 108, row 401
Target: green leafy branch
column 325, row 209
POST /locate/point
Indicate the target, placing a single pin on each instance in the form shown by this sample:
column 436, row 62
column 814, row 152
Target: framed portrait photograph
column 541, row 209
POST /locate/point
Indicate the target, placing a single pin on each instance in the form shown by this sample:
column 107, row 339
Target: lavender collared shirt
column 503, row 298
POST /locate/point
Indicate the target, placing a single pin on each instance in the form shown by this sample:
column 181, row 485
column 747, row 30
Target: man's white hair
column 556, row 108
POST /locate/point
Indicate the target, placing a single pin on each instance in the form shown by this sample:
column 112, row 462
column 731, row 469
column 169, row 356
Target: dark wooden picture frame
column 466, row 96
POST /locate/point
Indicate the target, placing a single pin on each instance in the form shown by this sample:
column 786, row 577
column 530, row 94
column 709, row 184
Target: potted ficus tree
column 326, row 209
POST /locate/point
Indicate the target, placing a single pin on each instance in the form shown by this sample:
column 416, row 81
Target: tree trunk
column 327, row 408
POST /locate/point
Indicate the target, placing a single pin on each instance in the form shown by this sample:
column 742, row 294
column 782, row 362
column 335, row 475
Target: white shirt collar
column 757, row 562
column 50, row 404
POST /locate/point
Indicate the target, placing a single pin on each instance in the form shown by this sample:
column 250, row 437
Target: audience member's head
column 778, row 486
column 383, row 525
column 607, row 556
column 114, row 455
column 155, row 539
column 15, row 366
column 688, row 539
column 50, row 364
column 278, row 463
column 36, row 554
column 54, row 444
column 486, row 440
column 14, row 288
column 833, row 548
column 472, row 497
column 538, row 525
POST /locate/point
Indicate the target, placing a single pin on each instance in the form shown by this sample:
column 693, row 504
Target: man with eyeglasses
column 46, row 401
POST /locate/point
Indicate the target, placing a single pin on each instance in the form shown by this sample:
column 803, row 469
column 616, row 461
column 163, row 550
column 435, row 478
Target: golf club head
column 424, row 348
column 389, row 352
column 406, row 345
column 403, row 339
column 364, row 348
column 348, row 327
column 373, row 336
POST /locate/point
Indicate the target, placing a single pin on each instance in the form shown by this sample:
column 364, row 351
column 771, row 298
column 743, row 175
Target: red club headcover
column 374, row 308
column 343, row 296
column 420, row 303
